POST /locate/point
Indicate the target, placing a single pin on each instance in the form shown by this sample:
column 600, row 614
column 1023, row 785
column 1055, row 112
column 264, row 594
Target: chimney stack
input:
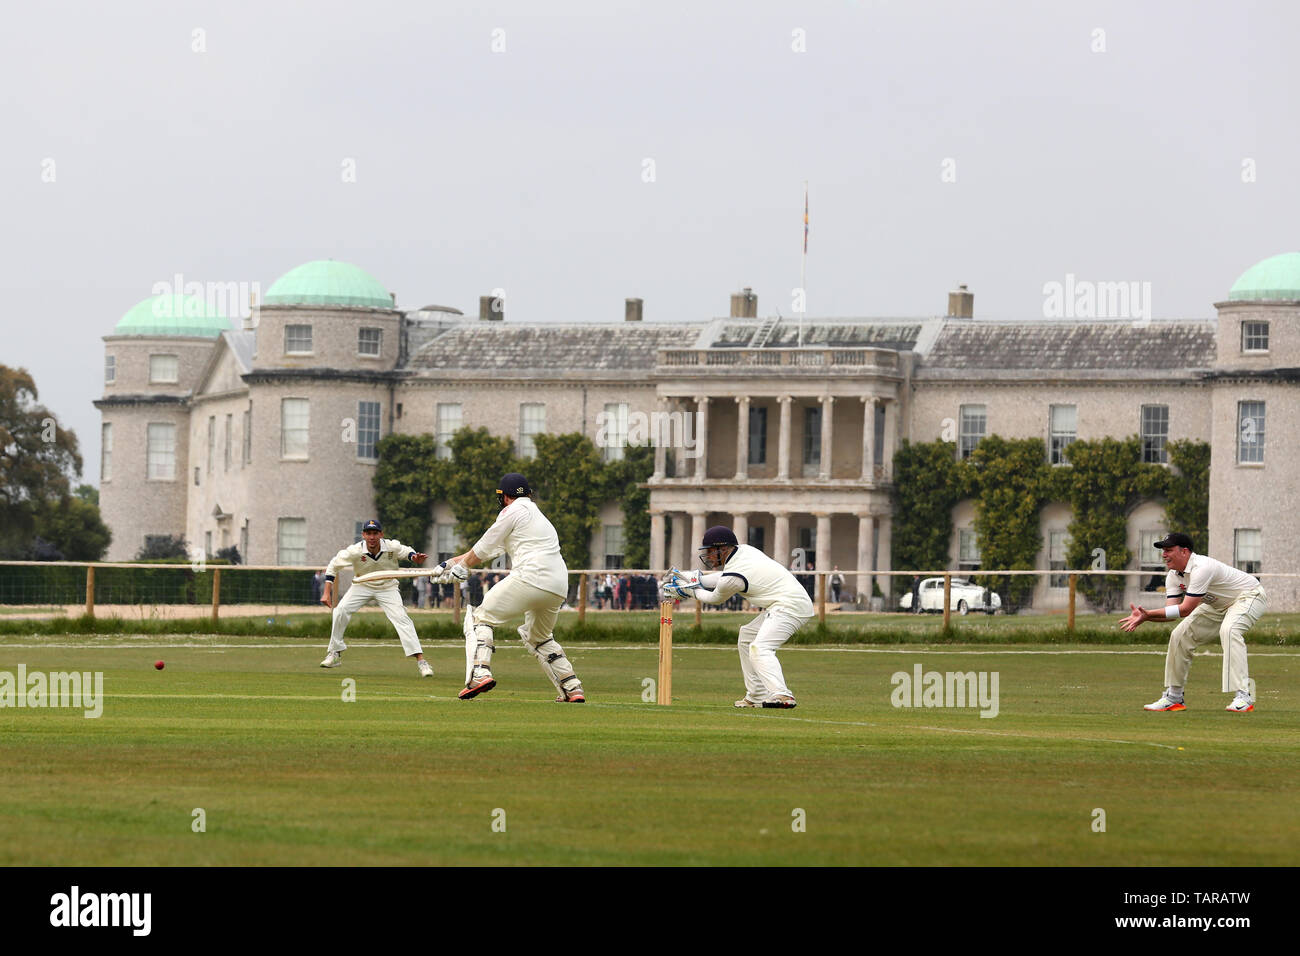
column 491, row 308
column 961, row 304
column 632, row 310
column 744, row 304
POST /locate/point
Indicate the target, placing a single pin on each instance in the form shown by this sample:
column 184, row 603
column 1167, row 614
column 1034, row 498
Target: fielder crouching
column 739, row 569
column 536, row 588
column 373, row 553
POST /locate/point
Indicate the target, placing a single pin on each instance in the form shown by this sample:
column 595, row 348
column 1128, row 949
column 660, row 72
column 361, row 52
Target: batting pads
column 479, row 644
column 550, row 655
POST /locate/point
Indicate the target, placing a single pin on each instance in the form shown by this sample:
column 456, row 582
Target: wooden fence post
column 216, row 592
column 90, row 590
column 1074, row 582
column 947, row 601
column 582, row 598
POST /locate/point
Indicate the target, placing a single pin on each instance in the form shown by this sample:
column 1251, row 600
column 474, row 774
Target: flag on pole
column 805, row 220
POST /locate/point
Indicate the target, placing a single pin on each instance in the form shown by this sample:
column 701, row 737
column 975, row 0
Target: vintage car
column 966, row 597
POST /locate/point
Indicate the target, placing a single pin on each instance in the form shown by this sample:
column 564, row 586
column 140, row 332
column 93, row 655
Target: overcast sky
column 608, row 149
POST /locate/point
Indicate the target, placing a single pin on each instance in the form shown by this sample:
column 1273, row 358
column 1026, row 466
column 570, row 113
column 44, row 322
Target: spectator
column 475, row 593
column 837, row 582
column 317, row 586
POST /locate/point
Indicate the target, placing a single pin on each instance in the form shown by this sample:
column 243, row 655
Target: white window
column 614, row 545
column 968, row 550
column 243, row 542
column 532, row 421
column 449, row 418
column 974, row 423
column 446, row 542
column 1248, row 549
column 207, row 543
column 369, row 341
column 1149, row 560
column 1254, row 336
column 291, row 541
column 1155, row 433
column 1250, row 433
column 297, row 339
column 212, row 440
column 1064, row 428
column 1057, row 543
column 161, row 451
column 367, row 430
column 294, row 419
column 248, row 437
column 613, row 432
column 106, row 452
column 757, row 435
column 164, row 369
column 110, row 369
column 230, row 424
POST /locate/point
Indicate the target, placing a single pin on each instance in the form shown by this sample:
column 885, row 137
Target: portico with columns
column 792, row 461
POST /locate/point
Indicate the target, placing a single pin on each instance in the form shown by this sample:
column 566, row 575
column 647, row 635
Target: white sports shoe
column 426, row 669
column 1165, row 703
column 1241, row 704
column 332, row 659
column 745, row 702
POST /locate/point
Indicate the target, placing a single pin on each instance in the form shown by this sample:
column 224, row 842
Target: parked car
column 966, row 597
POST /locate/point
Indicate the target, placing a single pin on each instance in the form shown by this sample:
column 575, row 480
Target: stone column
column 891, row 426
column 868, row 438
column 657, row 541
column 699, row 524
column 828, row 413
column 740, row 525
column 702, row 437
column 781, row 538
column 823, row 556
column 783, row 442
column 866, row 557
column 742, row 438
column 884, row 562
column 659, row 435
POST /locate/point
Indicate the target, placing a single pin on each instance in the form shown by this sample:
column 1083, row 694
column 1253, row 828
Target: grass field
column 286, row 772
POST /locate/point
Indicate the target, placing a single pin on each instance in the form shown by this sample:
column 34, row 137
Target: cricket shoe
column 1241, row 704
column 332, row 659
column 782, row 703
column 577, row 697
column 745, row 702
column 426, row 669
column 478, row 685
column 1165, row 703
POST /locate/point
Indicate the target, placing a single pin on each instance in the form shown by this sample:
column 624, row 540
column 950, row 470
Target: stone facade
column 786, row 433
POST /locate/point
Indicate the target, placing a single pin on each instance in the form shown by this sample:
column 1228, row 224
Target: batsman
column 535, row 588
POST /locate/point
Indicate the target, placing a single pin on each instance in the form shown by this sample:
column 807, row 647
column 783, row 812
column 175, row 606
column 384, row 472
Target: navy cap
column 720, row 535
column 1176, row 540
column 515, row 485
column 372, row 525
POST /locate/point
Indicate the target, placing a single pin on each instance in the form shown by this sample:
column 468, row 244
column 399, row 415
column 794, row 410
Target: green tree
column 36, row 455
column 163, row 548
column 1014, row 482
column 1107, row 479
column 404, row 479
column 928, row 481
column 479, row 459
column 571, row 484
column 1187, row 508
column 626, row 484
column 73, row 525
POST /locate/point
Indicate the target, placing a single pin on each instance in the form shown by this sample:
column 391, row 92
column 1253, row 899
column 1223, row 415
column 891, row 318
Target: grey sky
column 523, row 169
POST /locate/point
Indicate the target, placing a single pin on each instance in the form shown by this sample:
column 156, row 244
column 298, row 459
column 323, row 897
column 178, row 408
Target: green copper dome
column 326, row 282
column 173, row 315
column 1273, row 279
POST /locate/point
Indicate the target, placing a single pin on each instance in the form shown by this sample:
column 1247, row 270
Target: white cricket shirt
column 357, row 557
column 1217, row 583
column 524, row 533
column 765, row 583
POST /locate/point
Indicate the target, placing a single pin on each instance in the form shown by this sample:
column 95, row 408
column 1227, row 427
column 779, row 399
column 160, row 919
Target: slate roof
column 1071, row 346
column 502, row 347
column 242, row 343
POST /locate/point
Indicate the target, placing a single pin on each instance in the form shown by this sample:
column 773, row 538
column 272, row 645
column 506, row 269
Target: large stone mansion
column 263, row 436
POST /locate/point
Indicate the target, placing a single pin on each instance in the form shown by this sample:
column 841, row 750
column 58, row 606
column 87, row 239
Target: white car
column 966, row 597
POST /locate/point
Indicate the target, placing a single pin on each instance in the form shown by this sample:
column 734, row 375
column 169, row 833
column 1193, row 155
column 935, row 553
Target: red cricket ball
column 158, row 664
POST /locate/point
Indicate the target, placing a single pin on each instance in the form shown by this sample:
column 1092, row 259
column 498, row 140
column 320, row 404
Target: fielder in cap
column 1208, row 599
column 535, row 588
column 734, row 568
column 373, row 552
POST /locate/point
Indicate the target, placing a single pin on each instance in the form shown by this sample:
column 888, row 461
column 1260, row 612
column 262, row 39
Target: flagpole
column 803, row 264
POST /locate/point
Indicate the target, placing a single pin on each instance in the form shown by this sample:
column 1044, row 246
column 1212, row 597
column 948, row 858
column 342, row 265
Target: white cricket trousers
column 390, row 599
column 758, row 642
column 510, row 598
column 1204, row 625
